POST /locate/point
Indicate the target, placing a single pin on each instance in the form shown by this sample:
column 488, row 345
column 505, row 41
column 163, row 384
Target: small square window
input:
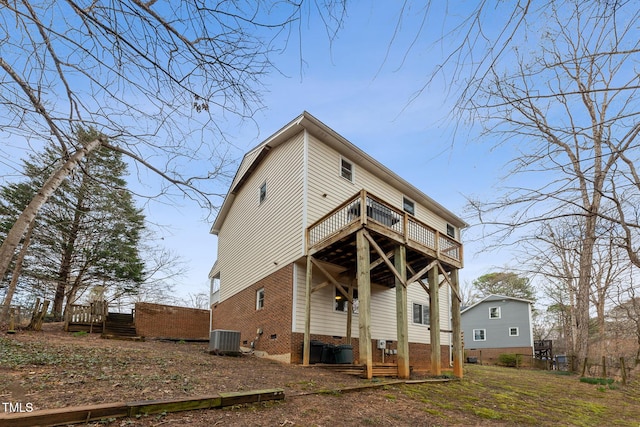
column 260, row 299
column 263, row 192
column 346, row 170
column 451, row 231
column 514, row 332
column 408, row 206
column 479, row 334
column 421, row 314
column 494, row 313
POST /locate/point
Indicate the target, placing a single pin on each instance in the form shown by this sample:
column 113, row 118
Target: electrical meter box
column 382, row 344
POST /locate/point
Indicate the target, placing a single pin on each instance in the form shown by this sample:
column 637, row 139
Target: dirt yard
column 54, row 369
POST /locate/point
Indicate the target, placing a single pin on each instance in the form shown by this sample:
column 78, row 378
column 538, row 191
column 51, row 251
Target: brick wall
column 166, row 321
column 489, row 356
column 239, row 313
column 419, row 354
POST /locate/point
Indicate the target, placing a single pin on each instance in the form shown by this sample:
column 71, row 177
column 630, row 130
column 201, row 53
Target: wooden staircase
column 379, row 369
column 119, row 326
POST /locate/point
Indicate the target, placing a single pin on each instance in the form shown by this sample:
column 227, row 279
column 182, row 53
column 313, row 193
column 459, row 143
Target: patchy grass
column 527, row 397
column 62, row 370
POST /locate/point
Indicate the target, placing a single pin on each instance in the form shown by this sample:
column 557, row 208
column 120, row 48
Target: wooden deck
column 332, row 238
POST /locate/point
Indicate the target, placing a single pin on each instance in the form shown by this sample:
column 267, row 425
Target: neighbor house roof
column 495, row 297
column 306, row 121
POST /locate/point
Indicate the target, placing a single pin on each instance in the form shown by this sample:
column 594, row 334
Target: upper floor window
column 408, row 205
column 346, row 169
column 514, row 331
column 263, row 192
column 494, row 312
column 451, row 231
column 421, row 314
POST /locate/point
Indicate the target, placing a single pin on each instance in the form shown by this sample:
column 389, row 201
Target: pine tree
column 88, row 234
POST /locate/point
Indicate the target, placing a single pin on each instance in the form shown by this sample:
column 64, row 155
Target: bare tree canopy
column 156, row 78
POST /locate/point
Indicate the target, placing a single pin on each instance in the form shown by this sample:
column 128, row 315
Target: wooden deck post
column 364, row 298
column 402, row 322
column 434, row 321
column 349, row 314
column 307, row 314
column 456, row 326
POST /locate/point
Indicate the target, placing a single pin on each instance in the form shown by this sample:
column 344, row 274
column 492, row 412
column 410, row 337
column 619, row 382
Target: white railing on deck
column 386, row 215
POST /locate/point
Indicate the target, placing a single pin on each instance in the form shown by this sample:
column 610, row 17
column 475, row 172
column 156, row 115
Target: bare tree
column 567, row 105
column 158, row 77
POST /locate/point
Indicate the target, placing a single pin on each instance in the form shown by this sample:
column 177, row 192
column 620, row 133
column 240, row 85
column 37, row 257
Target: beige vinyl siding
column 326, row 321
column 327, row 188
column 259, row 238
column 244, row 166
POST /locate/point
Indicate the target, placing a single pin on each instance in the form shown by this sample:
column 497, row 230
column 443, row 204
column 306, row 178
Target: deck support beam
column 307, row 313
column 364, row 298
column 402, row 322
column 456, row 326
column 434, row 321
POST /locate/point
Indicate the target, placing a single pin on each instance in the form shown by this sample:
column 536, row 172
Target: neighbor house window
column 420, row 314
column 494, row 313
column 260, row 299
column 408, row 206
column 263, row 191
column 346, row 170
column 451, row 231
column 341, row 303
column 479, row 334
column 514, row 332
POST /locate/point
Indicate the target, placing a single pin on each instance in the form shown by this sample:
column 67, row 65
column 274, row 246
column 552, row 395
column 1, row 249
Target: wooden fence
column 86, row 317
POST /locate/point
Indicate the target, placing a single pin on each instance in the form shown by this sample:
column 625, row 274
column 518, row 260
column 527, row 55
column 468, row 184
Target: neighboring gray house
column 497, row 324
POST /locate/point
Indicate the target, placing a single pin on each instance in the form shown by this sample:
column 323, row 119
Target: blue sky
column 365, row 98
column 362, row 86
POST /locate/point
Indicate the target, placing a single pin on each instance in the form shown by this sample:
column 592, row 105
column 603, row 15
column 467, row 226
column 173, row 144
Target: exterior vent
column 224, row 342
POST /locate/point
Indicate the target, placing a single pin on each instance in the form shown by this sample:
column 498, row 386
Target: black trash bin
column 344, row 353
column 329, row 353
column 315, row 351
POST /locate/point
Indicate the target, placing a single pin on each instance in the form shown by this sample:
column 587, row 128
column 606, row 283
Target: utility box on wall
column 224, row 342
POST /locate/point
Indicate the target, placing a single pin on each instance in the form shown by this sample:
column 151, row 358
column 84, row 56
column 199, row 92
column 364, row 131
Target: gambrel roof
column 306, row 121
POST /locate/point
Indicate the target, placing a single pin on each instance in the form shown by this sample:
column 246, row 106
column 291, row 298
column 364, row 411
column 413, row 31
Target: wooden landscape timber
column 84, row 414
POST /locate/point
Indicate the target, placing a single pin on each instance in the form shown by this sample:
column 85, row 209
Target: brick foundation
column 239, row 313
column 165, row 321
column 419, row 354
column 274, row 319
column 489, row 356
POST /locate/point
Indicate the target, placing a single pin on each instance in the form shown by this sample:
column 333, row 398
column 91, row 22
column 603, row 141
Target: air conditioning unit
column 224, row 342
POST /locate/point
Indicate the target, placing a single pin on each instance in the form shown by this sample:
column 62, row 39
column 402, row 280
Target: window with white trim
column 260, row 299
column 408, row 205
column 346, row 170
column 479, row 334
column 341, row 303
column 494, row 312
column 514, row 331
column 420, row 314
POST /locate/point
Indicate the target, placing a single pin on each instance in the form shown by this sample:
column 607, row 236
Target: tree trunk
column 584, row 288
column 28, row 215
column 64, row 274
column 16, row 273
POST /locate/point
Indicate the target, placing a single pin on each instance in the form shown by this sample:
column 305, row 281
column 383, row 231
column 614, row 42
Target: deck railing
column 405, row 226
column 86, row 314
